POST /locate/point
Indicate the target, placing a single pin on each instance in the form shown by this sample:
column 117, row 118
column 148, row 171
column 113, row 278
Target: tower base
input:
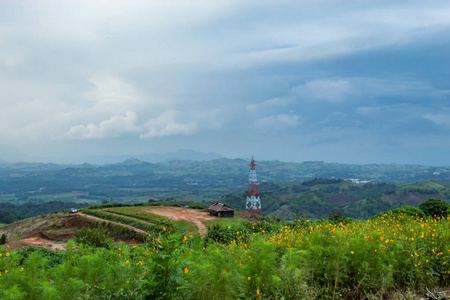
column 253, row 212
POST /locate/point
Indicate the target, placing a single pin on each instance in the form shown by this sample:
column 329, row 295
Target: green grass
column 8, row 197
column 136, row 212
column 124, row 220
column 226, row 222
column 372, row 259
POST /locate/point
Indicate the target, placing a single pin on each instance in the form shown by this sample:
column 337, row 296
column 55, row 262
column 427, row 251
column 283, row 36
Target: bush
column 405, row 210
column 108, row 205
column 336, row 216
column 434, row 208
column 3, row 239
column 96, row 237
column 410, row 210
column 197, row 206
column 52, row 257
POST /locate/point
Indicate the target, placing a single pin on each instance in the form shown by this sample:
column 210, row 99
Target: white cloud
column 113, row 127
column 111, row 94
column 324, row 90
column 439, row 119
column 167, row 124
column 278, row 121
column 270, row 105
column 368, row 110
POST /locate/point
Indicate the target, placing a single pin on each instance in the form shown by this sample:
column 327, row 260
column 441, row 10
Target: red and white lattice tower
column 253, row 204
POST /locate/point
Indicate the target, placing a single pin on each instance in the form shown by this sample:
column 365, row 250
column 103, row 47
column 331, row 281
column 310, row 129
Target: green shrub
column 410, row 210
column 96, row 237
column 52, row 257
column 114, row 204
column 3, row 239
column 166, row 279
column 434, row 208
column 336, row 216
column 197, row 206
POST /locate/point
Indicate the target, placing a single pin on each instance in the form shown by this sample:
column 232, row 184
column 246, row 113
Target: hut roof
column 220, row 207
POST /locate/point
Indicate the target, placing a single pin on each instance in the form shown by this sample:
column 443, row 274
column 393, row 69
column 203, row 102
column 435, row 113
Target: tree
column 435, row 208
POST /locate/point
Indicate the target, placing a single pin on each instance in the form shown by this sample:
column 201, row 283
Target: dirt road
column 186, row 214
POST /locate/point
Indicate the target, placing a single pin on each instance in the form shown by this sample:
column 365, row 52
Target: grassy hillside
column 392, row 256
column 318, row 197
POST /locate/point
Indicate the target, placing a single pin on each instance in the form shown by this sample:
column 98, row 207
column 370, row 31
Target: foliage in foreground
column 294, row 260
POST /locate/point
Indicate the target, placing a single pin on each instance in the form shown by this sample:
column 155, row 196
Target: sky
column 337, row 81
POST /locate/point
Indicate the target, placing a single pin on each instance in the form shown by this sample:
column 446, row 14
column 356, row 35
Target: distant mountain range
column 314, row 187
column 189, row 175
column 204, row 168
column 153, row 158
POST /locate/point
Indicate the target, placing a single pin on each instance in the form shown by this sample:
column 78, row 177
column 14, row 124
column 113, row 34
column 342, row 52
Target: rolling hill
column 319, row 197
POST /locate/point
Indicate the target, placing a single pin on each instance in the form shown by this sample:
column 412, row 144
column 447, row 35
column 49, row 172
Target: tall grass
column 303, row 260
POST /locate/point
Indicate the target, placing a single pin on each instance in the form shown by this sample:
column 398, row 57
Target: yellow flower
column 127, row 262
column 134, row 246
column 159, row 241
column 21, row 269
column 6, row 271
column 249, row 278
column 257, row 291
column 352, row 252
column 7, row 254
column 164, row 228
column 186, row 270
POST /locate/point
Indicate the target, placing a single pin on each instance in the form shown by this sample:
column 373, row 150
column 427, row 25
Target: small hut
column 221, row 210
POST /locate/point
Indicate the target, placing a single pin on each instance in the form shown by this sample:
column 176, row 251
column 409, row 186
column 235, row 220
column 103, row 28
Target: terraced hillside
column 155, row 218
column 132, row 224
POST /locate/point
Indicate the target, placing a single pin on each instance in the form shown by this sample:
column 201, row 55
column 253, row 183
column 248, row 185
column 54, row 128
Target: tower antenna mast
column 253, row 203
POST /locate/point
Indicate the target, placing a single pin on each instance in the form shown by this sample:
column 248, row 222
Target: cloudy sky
column 339, row 81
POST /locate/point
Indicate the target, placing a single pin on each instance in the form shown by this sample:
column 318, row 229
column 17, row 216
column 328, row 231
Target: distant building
column 221, row 210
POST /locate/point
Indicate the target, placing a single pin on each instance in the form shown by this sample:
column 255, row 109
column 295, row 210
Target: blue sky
column 338, row 81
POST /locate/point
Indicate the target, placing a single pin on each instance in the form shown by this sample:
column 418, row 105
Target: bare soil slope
column 179, row 213
column 52, row 231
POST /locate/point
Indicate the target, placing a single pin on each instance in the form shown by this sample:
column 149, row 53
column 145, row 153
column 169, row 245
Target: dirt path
column 44, row 243
column 186, row 214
